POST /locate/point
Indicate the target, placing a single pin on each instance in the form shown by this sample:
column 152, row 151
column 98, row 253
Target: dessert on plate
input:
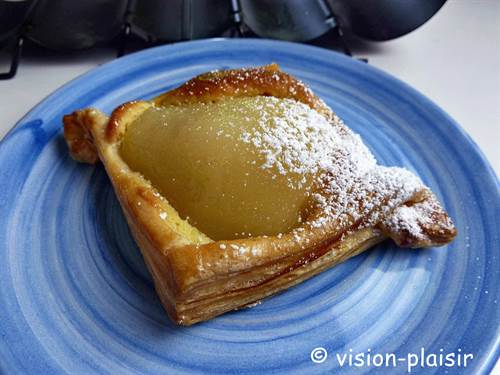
column 241, row 183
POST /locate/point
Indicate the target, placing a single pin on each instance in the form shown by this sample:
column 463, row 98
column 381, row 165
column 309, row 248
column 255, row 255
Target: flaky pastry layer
column 198, row 278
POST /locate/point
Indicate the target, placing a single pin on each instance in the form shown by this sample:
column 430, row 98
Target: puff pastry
column 357, row 205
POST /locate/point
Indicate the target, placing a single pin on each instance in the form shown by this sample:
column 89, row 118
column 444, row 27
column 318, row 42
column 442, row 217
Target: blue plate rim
column 490, row 358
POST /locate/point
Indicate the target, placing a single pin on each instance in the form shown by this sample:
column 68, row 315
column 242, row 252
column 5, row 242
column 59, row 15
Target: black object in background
column 380, row 20
column 68, row 25
column 12, row 16
column 303, row 20
column 75, row 24
column 295, row 20
column 174, row 20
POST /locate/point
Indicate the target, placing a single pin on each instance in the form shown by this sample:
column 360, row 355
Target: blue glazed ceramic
column 75, row 296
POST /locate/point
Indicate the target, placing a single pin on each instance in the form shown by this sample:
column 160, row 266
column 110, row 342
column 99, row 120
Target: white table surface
column 454, row 59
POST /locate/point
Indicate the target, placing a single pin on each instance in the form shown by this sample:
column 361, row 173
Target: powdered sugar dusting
column 296, row 139
column 409, row 219
column 369, row 197
column 348, row 184
column 416, row 221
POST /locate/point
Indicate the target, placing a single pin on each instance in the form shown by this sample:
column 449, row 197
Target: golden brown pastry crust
column 267, row 80
column 195, row 277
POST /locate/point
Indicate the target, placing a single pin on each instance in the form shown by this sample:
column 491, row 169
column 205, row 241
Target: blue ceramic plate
column 75, row 296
